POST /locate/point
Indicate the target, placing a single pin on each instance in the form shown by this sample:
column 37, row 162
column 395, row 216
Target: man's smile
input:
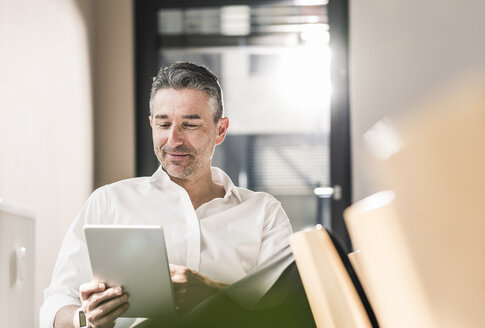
column 176, row 156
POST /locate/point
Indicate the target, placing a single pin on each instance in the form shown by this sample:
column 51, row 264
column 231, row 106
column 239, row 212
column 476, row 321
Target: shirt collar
column 161, row 178
column 221, row 178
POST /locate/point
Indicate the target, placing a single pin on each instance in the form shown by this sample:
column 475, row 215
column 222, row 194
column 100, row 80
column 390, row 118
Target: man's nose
column 175, row 137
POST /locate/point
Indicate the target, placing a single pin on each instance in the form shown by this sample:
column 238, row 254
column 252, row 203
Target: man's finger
column 104, row 309
column 175, row 269
column 181, row 274
column 85, row 290
column 112, row 316
column 96, row 298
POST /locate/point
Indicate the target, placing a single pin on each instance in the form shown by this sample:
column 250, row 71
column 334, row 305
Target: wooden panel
column 332, row 296
column 433, row 228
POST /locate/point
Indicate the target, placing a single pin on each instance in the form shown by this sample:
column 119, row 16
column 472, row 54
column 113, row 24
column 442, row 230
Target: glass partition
column 273, row 62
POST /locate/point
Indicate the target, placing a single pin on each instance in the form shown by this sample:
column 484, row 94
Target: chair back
column 386, row 270
column 333, row 297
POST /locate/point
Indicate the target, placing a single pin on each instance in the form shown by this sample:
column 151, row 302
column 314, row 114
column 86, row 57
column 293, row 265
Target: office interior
column 70, row 111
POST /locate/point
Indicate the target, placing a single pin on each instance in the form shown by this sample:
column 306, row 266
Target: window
column 273, row 62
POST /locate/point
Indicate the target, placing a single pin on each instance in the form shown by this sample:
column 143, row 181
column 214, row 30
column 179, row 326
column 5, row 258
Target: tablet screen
column 135, row 258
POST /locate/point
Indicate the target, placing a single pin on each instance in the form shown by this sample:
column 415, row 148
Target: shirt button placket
column 193, row 236
column 193, row 242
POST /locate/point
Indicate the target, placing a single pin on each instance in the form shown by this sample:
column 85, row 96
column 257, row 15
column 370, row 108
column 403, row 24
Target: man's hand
column 191, row 287
column 102, row 305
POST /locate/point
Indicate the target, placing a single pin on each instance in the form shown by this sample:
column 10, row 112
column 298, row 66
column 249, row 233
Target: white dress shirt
column 224, row 238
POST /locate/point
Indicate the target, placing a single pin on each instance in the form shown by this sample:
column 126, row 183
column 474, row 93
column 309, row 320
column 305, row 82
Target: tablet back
column 135, row 258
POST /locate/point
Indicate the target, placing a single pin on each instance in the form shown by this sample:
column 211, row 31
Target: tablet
column 135, row 258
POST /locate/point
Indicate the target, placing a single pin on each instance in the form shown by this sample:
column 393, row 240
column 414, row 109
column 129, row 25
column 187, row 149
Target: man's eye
column 190, row 126
column 164, row 125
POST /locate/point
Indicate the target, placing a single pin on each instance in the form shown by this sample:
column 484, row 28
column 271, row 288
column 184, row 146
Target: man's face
column 184, row 132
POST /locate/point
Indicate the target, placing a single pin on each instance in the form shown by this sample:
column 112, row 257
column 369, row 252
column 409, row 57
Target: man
column 216, row 233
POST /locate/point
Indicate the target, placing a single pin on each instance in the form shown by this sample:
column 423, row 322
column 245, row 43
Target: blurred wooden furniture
column 356, row 261
column 386, row 270
column 331, row 293
column 423, row 250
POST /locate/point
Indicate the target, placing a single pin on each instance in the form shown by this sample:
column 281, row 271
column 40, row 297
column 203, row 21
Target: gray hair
column 182, row 75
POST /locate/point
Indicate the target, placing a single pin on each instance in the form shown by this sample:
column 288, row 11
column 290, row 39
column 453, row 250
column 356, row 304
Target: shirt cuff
column 52, row 305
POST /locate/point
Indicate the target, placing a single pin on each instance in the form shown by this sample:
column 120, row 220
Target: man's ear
column 222, row 127
column 151, row 121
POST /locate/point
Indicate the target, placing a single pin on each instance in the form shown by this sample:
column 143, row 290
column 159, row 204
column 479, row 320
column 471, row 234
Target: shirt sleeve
column 72, row 267
column 276, row 230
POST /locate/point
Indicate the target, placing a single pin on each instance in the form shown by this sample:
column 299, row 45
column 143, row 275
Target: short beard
column 188, row 170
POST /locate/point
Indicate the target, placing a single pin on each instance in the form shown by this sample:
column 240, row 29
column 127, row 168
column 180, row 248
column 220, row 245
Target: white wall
column 399, row 51
column 45, row 118
column 66, row 110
